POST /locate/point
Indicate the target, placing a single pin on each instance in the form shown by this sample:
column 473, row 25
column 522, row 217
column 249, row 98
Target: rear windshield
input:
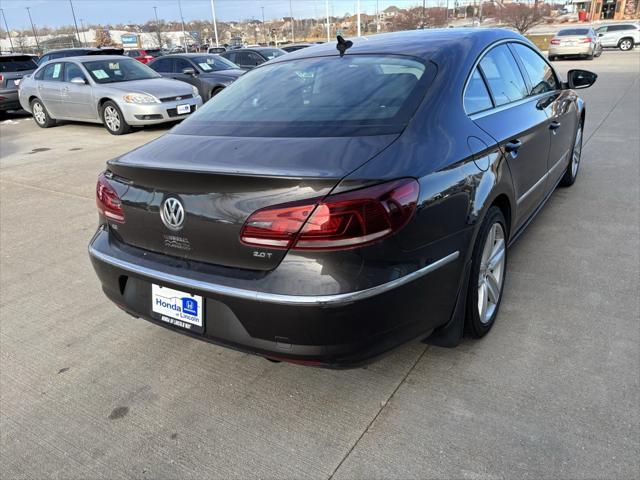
column 121, row 70
column 573, row 31
column 211, row 63
column 17, row 64
column 270, row 53
column 325, row 96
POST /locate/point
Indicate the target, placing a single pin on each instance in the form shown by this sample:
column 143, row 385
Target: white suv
column 619, row 35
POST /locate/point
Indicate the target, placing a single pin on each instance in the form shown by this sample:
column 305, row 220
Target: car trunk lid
column 219, row 182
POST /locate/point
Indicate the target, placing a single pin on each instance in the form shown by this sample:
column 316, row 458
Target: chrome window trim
column 499, row 108
column 313, row 300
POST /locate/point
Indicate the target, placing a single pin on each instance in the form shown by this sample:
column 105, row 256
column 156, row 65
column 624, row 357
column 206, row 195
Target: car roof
column 188, row 55
column 92, row 58
column 71, row 49
column 428, row 44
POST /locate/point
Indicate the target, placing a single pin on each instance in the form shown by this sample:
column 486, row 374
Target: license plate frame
column 183, row 109
column 179, row 308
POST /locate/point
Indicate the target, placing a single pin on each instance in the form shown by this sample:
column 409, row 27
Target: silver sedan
column 117, row 91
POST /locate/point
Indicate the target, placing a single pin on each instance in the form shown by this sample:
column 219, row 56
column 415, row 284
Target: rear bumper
column 558, row 51
column 340, row 330
column 151, row 114
column 9, row 100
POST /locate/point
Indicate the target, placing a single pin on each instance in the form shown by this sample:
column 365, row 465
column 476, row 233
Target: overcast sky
column 58, row 12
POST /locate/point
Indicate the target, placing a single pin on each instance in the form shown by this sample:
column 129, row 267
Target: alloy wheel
column 577, row 152
column 38, row 113
column 111, row 118
column 491, row 273
column 625, row 44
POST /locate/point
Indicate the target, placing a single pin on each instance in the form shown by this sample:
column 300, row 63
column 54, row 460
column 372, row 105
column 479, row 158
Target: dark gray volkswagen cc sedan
column 337, row 202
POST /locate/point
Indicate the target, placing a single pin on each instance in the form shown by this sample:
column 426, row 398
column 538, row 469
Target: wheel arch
column 630, row 38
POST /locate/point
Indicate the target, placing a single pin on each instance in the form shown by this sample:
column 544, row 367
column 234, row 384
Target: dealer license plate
column 178, row 308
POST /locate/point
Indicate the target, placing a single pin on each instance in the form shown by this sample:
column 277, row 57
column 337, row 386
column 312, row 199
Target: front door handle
column 554, row 125
column 513, row 146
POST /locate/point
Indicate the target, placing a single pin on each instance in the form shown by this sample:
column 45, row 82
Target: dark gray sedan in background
column 208, row 73
column 326, row 208
column 12, row 69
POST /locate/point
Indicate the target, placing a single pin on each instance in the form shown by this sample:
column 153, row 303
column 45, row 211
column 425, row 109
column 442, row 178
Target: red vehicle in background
column 144, row 56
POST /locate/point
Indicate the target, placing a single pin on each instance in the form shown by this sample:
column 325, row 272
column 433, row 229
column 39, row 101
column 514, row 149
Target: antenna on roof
column 343, row 45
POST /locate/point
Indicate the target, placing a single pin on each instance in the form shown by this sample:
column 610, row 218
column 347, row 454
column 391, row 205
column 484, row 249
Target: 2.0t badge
column 172, row 214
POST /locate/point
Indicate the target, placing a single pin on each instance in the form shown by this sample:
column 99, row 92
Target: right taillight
column 345, row 220
column 107, row 200
column 555, row 41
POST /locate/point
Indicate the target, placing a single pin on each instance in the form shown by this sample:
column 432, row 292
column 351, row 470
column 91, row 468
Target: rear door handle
column 554, row 125
column 513, row 146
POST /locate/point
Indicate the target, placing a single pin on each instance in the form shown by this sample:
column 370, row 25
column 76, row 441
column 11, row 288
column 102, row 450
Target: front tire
column 488, row 270
column 113, row 119
column 40, row 114
column 625, row 44
column 571, row 173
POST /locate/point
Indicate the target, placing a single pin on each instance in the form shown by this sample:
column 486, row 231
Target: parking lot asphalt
column 553, row 392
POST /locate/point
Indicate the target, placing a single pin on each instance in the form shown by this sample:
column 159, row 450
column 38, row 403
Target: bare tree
column 20, row 43
column 521, row 16
column 103, row 37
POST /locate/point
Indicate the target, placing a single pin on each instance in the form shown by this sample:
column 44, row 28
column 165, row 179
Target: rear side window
column 16, row 64
column 53, row 72
column 164, row 65
column 503, row 76
column 476, row 96
column 540, row 73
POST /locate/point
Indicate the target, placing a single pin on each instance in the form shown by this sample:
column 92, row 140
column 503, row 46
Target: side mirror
column 580, row 79
column 78, row 81
column 601, row 34
column 189, row 71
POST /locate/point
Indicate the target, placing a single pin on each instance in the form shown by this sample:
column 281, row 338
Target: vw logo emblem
column 172, row 214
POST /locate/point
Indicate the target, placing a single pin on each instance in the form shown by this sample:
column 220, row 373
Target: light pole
column 293, row 38
column 35, row 35
column 264, row 27
column 6, row 27
column 184, row 34
column 84, row 34
column 215, row 24
column 74, row 21
column 326, row 6
column 158, row 31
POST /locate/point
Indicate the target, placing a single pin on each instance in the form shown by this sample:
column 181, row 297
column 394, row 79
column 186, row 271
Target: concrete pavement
column 89, row 392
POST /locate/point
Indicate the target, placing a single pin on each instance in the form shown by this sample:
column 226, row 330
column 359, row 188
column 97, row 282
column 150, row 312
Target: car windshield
column 573, row 31
column 271, row 53
column 154, row 52
column 120, row 70
column 211, row 63
column 17, row 64
column 323, row 95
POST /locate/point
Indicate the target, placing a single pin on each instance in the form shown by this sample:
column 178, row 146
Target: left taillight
column 107, row 200
column 342, row 221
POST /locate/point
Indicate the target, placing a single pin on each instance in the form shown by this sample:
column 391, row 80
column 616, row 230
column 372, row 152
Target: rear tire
column 570, row 175
column 626, row 44
column 113, row 120
column 488, row 271
column 40, row 114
